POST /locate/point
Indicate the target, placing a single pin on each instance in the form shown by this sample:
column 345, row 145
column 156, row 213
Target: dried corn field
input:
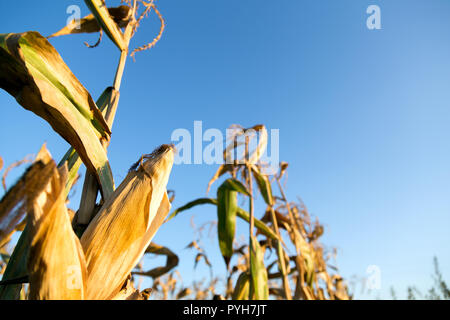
column 95, row 252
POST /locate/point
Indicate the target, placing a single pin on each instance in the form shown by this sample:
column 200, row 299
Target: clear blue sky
column 363, row 115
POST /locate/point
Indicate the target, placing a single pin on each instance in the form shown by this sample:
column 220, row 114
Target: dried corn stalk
column 305, row 268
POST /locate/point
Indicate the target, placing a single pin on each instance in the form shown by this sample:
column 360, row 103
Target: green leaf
column 100, row 11
column 264, row 185
column 71, row 157
column 190, row 205
column 261, row 226
column 259, row 280
column 73, row 165
column 241, row 213
column 33, row 72
column 235, row 185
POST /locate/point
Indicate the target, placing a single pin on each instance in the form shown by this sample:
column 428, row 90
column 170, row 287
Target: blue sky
column 363, row 115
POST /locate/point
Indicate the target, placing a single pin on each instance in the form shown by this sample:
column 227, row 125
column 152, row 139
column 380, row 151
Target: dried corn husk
column 56, row 263
column 128, row 292
column 120, row 233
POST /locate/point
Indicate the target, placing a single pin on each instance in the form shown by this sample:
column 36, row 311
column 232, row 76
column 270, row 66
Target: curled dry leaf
column 11, row 167
column 283, row 167
column 255, row 152
column 121, row 16
column 203, row 256
column 120, row 233
column 34, row 73
column 224, row 168
column 21, row 196
column 171, row 262
column 183, row 293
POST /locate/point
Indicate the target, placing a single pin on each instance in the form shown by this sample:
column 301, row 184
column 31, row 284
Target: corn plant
column 95, row 252
column 88, row 254
column 284, row 226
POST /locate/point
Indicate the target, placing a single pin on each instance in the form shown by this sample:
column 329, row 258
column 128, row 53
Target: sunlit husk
column 129, row 292
column 56, row 262
column 117, row 238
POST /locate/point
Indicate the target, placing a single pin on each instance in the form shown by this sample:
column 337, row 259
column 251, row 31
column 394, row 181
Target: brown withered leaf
column 121, row 16
column 56, row 266
column 200, row 256
column 171, row 261
column 118, row 236
column 183, row 293
column 12, row 166
column 14, row 204
column 224, row 168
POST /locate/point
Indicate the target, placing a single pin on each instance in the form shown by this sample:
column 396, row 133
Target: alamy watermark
column 75, row 16
column 74, row 279
column 373, row 22
column 234, row 146
column 373, row 280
